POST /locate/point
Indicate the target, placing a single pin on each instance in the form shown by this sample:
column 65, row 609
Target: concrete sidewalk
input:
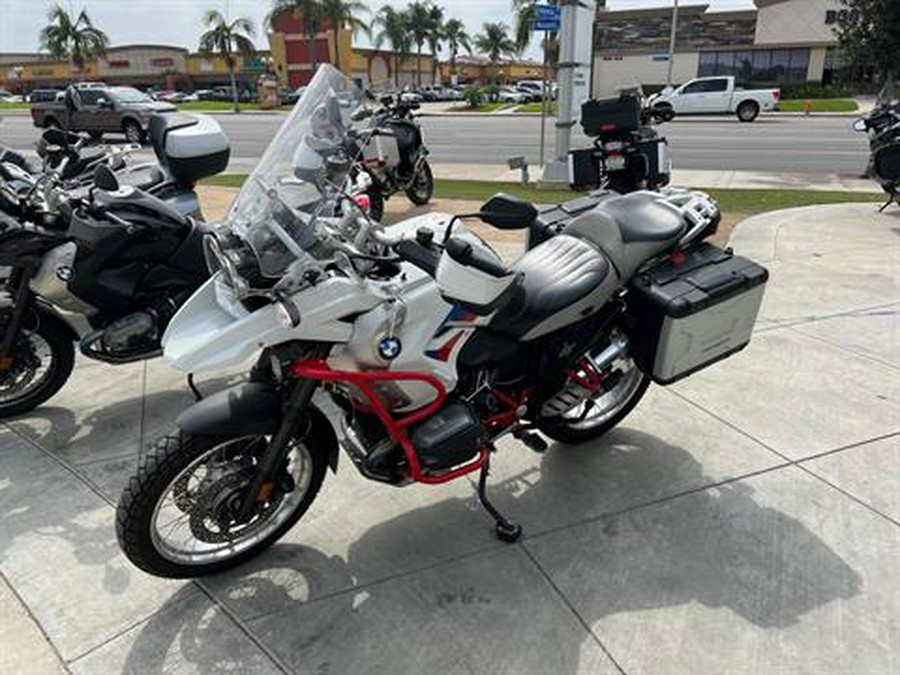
column 746, row 520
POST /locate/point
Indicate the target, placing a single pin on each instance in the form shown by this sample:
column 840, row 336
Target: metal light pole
column 672, row 43
column 557, row 171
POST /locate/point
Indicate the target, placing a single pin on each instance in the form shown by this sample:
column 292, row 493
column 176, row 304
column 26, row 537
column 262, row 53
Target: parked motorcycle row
column 883, row 128
column 430, row 347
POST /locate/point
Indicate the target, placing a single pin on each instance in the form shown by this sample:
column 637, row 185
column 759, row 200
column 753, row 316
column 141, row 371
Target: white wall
column 612, row 73
column 795, row 22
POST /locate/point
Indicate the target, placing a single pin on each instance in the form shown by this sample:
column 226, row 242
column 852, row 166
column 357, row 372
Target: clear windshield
column 276, row 210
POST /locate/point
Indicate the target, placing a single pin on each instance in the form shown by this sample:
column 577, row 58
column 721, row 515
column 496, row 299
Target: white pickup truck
column 716, row 96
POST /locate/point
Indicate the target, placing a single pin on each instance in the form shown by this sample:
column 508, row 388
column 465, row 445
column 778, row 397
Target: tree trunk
column 396, row 72
column 337, row 48
column 234, row 92
column 419, row 66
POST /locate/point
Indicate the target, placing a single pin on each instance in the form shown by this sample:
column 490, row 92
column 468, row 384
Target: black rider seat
column 644, row 218
column 556, row 275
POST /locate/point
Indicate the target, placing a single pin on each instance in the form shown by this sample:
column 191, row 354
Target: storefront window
column 761, row 66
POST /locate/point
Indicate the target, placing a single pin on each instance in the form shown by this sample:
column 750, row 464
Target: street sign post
column 547, row 18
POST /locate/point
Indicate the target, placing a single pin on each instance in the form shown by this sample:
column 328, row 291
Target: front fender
column 249, row 409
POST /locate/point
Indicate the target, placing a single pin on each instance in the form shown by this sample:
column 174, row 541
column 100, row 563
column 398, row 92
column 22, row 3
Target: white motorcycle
column 431, row 348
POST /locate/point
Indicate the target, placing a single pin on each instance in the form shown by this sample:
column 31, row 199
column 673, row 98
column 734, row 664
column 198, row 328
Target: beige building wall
column 614, row 73
column 816, row 64
column 785, row 22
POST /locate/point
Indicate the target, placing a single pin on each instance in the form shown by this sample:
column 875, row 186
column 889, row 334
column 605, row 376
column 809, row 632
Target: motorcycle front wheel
column 596, row 416
column 178, row 516
column 422, row 188
column 42, row 359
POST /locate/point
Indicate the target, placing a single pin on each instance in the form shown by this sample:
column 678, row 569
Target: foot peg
column 532, row 441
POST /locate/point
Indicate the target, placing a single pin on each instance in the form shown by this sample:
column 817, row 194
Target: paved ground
column 773, row 144
column 744, row 521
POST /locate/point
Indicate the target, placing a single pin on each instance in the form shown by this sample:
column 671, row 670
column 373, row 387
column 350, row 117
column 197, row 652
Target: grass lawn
column 13, row 106
column 737, row 201
column 820, row 105
column 536, row 108
column 483, row 108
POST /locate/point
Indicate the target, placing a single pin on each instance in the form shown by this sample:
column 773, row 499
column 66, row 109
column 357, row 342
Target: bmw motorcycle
column 883, row 129
column 430, row 346
column 393, row 153
column 122, row 257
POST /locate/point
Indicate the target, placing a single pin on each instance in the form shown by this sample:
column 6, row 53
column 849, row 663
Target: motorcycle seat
column 556, row 275
column 630, row 229
column 142, row 178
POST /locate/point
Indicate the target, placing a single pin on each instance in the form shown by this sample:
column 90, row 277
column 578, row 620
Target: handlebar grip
column 465, row 254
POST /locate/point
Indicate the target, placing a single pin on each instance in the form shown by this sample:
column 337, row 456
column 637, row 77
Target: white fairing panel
column 198, row 140
column 212, row 330
column 467, row 284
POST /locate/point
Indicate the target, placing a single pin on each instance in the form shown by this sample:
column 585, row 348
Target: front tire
column 422, row 189
column 42, row 361
column 133, row 132
column 166, row 473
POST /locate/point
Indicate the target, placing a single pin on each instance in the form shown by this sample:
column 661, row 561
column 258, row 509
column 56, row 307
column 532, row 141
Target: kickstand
column 894, row 198
column 506, row 531
column 196, row 392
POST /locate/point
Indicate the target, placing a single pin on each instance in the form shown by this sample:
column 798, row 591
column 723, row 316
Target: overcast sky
column 178, row 22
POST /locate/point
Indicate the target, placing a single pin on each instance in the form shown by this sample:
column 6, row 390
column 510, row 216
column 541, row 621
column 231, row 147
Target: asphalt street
column 776, row 144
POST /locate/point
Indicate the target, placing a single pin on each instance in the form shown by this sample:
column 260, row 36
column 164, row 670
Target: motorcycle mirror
column 860, row 125
column 387, row 99
column 105, row 179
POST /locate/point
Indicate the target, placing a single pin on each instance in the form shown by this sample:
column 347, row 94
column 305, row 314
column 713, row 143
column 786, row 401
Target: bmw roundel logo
column 65, row 273
column 389, row 347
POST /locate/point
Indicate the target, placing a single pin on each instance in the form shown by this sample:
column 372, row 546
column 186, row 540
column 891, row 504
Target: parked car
column 411, row 97
column 717, row 96
column 204, row 94
column 453, row 94
column 101, row 110
column 510, row 95
column 9, row 97
column 291, row 96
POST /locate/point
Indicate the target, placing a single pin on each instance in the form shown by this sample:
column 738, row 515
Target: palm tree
column 495, row 43
column 456, row 37
column 341, row 13
column 419, row 26
column 435, row 38
column 228, row 40
column 310, row 11
column 526, row 13
column 394, row 30
column 72, row 38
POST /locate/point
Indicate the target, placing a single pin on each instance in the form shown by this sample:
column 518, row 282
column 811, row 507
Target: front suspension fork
column 21, row 300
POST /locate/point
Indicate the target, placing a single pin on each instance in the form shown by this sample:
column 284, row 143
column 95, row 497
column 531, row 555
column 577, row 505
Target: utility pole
column 672, row 43
column 557, row 170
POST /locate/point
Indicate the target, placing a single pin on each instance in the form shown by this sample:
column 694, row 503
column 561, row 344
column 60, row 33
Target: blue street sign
column 542, row 24
column 548, row 12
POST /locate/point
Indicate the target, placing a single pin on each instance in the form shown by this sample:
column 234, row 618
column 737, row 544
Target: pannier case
column 692, row 310
column 611, row 115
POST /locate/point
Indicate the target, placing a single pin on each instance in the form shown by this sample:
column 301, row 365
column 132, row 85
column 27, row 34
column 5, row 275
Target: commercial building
column 778, row 42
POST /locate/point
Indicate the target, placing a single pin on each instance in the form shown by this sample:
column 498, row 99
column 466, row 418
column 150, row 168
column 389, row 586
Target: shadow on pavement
column 717, row 547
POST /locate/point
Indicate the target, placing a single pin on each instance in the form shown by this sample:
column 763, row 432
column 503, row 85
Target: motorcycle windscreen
column 887, row 162
column 277, row 208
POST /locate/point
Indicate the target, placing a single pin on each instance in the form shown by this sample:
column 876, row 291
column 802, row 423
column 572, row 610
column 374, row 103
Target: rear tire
column 748, row 111
column 58, row 338
column 567, row 429
column 51, row 123
column 422, row 189
column 160, row 472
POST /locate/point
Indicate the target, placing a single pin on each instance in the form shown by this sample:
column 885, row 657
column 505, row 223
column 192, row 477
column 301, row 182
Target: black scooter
column 126, row 261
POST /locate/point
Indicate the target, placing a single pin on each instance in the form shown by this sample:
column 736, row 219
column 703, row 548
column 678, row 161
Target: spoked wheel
column 422, row 188
column 179, row 516
column 41, row 361
column 594, row 417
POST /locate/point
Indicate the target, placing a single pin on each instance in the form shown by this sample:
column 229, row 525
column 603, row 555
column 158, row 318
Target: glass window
column 743, row 66
column 707, row 64
column 697, row 88
column 781, row 61
column 761, row 61
column 717, row 85
column 799, row 65
column 90, row 96
column 725, row 64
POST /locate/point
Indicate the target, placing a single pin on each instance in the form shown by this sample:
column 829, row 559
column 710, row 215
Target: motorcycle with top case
column 430, row 346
